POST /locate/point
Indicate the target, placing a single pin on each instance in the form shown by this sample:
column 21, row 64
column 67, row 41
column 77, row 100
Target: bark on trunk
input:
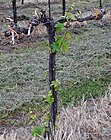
column 14, row 12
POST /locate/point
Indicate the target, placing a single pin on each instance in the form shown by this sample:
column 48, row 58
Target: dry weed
column 19, row 134
column 107, row 18
column 90, row 121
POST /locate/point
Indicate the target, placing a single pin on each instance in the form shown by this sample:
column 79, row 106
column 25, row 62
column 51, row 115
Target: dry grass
column 19, row 134
column 90, row 121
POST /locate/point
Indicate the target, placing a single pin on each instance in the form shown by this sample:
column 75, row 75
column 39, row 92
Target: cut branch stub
column 92, row 17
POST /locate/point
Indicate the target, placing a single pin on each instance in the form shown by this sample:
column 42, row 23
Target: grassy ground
column 84, row 71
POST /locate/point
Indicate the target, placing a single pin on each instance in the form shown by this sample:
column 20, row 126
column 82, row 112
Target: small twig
column 12, row 30
column 9, row 19
column 13, row 37
column 29, row 30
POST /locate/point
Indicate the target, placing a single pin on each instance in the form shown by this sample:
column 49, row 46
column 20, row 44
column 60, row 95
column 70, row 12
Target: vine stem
column 64, row 7
column 14, row 12
column 49, row 9
column 52, row 74
column 22, row 2
column 100, row 4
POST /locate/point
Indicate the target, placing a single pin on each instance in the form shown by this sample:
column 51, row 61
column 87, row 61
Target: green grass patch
column 85, row 90
column 28, row 113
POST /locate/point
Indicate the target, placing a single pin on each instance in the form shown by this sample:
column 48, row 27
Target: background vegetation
column 84, row 71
